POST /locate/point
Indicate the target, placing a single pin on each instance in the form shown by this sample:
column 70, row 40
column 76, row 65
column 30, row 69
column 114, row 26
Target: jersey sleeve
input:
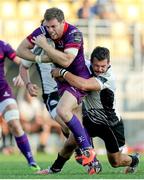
column 9, row 51
column 40, row 30
column 74, row 40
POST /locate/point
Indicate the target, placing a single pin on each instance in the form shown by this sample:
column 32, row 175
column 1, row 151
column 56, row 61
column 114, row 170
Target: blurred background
column 116, row 24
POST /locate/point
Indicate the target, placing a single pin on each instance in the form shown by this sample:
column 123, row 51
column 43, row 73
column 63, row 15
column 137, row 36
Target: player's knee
column 15, row 128
column 62, row 112
column 12, row 118
column 12, row 114
column 115, row 163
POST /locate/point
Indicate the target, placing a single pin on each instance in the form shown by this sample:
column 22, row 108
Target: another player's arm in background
column 17, row 81
column 62, row 58
column 76, row 81
column 24, row 72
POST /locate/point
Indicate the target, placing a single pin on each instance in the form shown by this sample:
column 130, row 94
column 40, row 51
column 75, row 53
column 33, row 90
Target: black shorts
column 113, row 137
column 51, row 100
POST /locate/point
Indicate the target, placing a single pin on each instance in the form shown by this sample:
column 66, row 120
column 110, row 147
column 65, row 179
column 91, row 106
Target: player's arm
column 24, row 72
column 24, row 51
column 62, row 58
column 17, row 60
column 76, row 81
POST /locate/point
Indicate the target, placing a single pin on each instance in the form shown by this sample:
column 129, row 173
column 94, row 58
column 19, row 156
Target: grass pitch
column 15, row 167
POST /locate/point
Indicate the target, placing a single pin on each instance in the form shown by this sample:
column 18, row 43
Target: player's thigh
column 118, row 130
column 67, row 102
column 103, row 131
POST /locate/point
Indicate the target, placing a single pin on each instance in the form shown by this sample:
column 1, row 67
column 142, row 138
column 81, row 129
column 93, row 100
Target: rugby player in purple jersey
column 68, row 53
column 8, row 106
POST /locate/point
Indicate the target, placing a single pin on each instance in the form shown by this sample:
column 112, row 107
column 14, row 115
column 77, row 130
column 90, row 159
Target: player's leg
column 123, row 160
column 65, row 107
column 51, row 100
column 116, row 157
column 62, row 157
column 10, row 113
column 1, row 125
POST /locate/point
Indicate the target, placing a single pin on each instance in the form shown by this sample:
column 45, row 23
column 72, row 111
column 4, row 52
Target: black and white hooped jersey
column 100, row 106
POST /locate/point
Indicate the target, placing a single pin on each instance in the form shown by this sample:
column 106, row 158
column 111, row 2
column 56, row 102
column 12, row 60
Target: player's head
column 100, row 60
column 54, row 22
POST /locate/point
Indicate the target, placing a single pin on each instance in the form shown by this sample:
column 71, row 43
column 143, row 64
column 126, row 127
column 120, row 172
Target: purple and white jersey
column 5, row 51
column 72, row 38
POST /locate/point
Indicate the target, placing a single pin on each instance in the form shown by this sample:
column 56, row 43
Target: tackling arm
column 76, row 81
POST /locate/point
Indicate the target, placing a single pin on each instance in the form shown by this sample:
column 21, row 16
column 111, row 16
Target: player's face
column 100, row 67
column 54, row 28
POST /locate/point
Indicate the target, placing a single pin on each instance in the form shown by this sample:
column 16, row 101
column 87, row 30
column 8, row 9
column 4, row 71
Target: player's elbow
column 68, row 60
column 66, row 64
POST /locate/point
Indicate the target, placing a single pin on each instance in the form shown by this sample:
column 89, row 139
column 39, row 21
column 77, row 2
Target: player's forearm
column 76, row 81
column 17, row 60
column 26, row 54
column 59, row 57
column 24, row 72
column 79, row 82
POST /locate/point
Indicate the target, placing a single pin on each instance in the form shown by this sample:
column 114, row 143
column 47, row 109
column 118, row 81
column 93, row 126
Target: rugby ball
column 39, row 51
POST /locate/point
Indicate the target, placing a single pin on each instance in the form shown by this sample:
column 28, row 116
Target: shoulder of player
column 3, row 43
column 40, row 30
column 73, row 30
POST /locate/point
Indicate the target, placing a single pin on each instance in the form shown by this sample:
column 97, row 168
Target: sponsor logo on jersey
column 6, row 94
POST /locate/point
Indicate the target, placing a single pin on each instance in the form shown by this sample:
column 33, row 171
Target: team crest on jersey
column 60, row 44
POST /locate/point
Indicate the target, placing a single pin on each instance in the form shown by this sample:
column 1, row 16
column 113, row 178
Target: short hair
column 100, row 53
column 53, row 13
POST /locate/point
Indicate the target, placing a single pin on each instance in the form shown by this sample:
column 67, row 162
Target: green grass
column 15, row 167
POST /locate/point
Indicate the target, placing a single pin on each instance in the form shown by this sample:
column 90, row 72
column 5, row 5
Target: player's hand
column 40, row 41
column 55, row 72
column 17, row 81
column 45, row 58
column 32, row 89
